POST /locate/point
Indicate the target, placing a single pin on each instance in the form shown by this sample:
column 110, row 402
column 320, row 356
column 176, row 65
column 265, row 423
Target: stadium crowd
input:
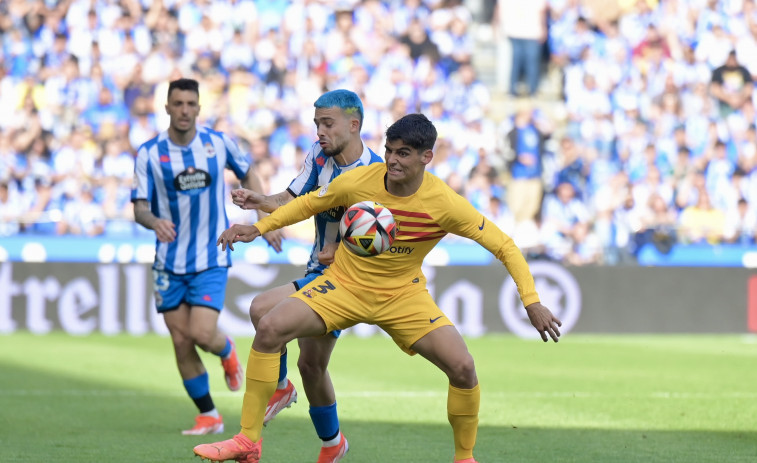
column 656, row 143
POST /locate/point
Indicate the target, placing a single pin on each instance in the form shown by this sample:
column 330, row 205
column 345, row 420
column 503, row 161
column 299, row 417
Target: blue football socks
column 226, row 350
column 326, row 421
column 198, row 389
column 283, row 370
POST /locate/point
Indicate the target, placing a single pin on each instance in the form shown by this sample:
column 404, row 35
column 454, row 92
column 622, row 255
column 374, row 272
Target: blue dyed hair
column 348, row 101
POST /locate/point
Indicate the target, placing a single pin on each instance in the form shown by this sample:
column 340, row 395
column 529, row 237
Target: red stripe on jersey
column 425, row 238
column 421, row 215
column 419, row 234
column 419, row 224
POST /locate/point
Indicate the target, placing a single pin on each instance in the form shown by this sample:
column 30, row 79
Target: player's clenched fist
column 236, row 233
column 247, row 199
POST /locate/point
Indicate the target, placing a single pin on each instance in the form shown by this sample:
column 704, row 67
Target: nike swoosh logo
column 482, row 224
column 432, row 320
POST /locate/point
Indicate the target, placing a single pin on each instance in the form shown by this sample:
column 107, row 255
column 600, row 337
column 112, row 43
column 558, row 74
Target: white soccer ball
column 367, row 228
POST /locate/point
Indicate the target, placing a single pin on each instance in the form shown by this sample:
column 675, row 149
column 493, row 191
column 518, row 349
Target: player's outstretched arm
column 248, row 199
column 252, row 192
column 236, row 233
column 543, row 320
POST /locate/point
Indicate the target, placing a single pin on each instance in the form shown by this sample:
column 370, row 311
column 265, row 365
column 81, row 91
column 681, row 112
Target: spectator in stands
column 35, row 165
column 626, row 223
column 731, row 85
column 570, row 46
column 589, row 108
column 417, row 39
column 82, row 215
column 466, row 92
column 657, row 224
column 644, row 85
column 746, row 46
column 455, row 44
column 10, row 160
column 745, row 145
column 561, row 213
column 10, row 211
column 741, row 224
column 651, row 43
column 524, row 26
column 75, row 156
column 107, row 117
column 701, row 223
column 713, row 45
column 115, row 171
column 689, row 188
column 718, row 174
column 143, row 126
column 651, row 183
column 526, row 141
column 572, row 168
column 500, row 215
column 42, row 208
column 585, row 247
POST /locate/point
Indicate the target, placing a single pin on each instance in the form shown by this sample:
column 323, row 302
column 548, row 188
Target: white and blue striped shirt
column 317, row 171
column 185, row 184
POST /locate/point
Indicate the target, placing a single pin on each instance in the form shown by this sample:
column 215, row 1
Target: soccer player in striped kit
column 388, row 290
column 179, row 192
column 338, row 119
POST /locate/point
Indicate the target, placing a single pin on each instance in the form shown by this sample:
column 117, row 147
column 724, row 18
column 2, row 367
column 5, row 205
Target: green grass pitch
column 586, row 399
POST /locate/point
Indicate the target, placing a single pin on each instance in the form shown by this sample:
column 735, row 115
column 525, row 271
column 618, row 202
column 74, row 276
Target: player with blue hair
column 338, row 119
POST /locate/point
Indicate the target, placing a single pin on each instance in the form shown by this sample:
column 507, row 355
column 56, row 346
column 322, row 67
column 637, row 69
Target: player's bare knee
column 463, row 373
column 203, row 338
column 311, row 370
column 255, row 313
column 179, row 332
column 181, row 341
column 268, row 335
column 259, row 306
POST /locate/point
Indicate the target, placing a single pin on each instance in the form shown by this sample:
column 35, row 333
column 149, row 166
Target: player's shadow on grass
column 48, row 417
column 372, row 442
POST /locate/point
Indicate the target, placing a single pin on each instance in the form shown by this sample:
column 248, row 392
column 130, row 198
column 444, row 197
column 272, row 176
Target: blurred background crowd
column 610, row 125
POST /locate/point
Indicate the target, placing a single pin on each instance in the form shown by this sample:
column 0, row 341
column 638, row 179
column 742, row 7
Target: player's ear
column 427, row 156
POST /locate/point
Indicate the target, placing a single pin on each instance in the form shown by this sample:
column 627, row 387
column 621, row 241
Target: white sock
column 282, row 384
column 213, row 413
column 334, row 441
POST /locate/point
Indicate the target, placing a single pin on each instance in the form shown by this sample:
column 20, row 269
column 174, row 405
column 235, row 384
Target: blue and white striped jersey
column 185, row 185
column 317, row 171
